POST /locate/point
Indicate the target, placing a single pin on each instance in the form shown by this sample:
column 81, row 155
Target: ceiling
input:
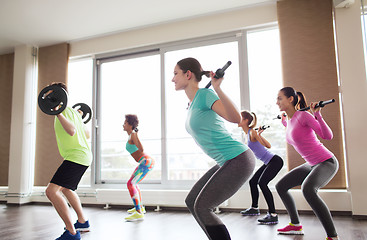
column 46, row 22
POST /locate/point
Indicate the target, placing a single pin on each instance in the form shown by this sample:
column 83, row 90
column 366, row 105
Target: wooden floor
column 31, row 222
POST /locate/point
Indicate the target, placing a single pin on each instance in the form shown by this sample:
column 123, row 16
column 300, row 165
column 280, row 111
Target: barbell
column 53, row 100
column 86, row 110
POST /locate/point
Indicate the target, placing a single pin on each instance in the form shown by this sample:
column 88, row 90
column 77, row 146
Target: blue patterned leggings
column 146, row 164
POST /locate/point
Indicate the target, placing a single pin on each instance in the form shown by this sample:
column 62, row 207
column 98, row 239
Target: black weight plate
column 50, row 97
column 86, row 111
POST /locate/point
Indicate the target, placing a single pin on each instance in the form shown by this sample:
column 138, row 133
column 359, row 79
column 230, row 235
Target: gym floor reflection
column 31, row 222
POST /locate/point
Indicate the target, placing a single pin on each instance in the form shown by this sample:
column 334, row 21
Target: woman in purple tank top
column 267, row 172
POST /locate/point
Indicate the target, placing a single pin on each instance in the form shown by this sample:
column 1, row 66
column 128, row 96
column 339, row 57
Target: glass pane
column 130, row 86
column 80, row 82
column 265, row 82
column 186, row 161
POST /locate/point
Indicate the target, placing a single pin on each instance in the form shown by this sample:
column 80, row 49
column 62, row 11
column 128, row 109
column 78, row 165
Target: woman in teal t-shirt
column 235, row 162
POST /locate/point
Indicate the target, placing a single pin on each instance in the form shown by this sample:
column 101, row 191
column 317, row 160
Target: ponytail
column 301, row 101
column 254, row 120
column 251, row 117
column 206, row 73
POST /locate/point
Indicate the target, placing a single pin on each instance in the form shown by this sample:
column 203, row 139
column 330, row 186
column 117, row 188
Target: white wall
column 354, row 99
column 176, row 31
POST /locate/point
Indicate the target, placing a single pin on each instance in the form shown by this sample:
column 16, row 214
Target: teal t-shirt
column 208, row 130
column 73, row 148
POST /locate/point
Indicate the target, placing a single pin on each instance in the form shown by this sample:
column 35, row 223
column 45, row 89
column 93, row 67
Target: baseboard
column 15, row 204
column 302, row 212
column 125, row 207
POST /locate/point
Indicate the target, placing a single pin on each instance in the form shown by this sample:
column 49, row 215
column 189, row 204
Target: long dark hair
column 299, row 99
column 251, row 116
column 192, row 65
column 132, row 120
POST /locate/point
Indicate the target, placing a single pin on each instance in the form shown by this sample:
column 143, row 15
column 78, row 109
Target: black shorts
column 68, row 175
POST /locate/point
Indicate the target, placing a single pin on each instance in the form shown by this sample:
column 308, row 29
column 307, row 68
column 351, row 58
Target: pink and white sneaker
column 291, row 230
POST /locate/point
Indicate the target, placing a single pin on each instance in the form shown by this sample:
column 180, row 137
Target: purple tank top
column 259, row 150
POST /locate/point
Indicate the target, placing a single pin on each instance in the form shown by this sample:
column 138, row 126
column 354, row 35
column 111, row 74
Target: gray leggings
column 311, row 178
column 216, row 186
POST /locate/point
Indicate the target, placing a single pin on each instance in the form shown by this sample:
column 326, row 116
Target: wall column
column 22, row 133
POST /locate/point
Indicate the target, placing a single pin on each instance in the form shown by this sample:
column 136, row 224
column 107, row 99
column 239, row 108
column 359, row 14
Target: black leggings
column 262, row 177
column 216, row 186
column 311, row 178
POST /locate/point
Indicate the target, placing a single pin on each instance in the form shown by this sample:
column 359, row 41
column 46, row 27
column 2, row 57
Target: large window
column 265, row 80
column 128, row 85
column 141, row 83
column 80, row 78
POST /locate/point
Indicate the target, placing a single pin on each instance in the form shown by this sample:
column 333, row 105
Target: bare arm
column 87, row 133
column 67, row 125
column 136, row 141
column 261, row 139
column 224, row 107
